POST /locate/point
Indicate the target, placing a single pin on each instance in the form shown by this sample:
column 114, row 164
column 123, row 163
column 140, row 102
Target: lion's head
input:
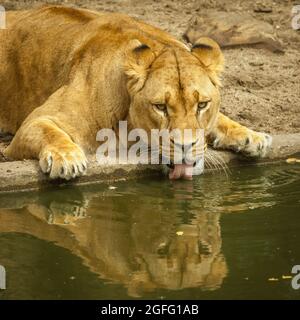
column 175, row 88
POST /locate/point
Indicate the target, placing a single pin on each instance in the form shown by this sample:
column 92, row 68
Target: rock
column 231, row 29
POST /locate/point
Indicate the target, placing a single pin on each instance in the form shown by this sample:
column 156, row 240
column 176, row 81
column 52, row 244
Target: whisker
column 213, row 161
column 217, row 161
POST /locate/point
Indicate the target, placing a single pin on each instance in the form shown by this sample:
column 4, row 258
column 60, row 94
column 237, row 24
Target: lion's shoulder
column 70, row 13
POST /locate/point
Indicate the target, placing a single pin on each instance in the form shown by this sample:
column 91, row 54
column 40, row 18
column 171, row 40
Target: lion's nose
column 184, row 146
column 190, row 163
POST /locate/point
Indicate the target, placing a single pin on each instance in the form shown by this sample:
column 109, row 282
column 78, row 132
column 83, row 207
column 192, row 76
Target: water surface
column 211, row 238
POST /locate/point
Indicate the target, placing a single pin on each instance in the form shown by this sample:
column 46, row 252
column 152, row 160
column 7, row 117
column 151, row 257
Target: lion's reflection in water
column 140, row 242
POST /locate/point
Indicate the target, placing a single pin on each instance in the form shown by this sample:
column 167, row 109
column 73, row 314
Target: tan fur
column 66, row 73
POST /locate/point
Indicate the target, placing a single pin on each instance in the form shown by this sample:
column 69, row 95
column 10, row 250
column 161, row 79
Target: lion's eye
column 202, row 105
column 161, row 108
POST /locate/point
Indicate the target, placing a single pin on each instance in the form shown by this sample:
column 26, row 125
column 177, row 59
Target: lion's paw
column 257, row 144
column 66, row 213
column 248, row 142
column 66, row 163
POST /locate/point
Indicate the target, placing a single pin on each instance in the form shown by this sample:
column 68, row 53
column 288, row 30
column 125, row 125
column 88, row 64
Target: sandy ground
column 261, row 89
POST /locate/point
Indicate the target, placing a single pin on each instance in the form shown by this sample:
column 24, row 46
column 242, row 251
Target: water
column 212, row 238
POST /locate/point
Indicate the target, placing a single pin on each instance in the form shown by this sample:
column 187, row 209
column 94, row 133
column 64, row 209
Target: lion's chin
column 184, row 171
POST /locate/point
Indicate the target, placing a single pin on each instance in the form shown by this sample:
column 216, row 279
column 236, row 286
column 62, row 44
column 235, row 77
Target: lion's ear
column 138, row 60
column 211, row 56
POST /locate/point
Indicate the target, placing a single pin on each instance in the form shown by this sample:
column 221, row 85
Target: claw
column 63, row 164
column 49, row 161
column 74, row 171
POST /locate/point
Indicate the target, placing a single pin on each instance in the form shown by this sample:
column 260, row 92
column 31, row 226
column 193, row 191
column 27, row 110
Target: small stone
column 248, row 115
column 244, row 79
column 284, row 107
column 296, row 124
column 262, row 9
column 256, row 63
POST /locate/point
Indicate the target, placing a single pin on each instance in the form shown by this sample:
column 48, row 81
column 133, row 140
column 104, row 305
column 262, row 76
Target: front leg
column 40, row 138
column 228, row 134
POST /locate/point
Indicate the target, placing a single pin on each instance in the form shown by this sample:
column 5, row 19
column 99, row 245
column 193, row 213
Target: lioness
column 65, row 73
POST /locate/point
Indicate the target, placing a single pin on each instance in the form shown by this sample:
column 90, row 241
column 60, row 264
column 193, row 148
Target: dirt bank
column 26, row 175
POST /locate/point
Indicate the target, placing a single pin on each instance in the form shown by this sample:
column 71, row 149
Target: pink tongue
column 184, row 171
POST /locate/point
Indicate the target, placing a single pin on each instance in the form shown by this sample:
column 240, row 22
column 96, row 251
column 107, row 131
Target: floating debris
column 273, row 279
column 179, row 233
column 292, row 160
column 112, row 188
